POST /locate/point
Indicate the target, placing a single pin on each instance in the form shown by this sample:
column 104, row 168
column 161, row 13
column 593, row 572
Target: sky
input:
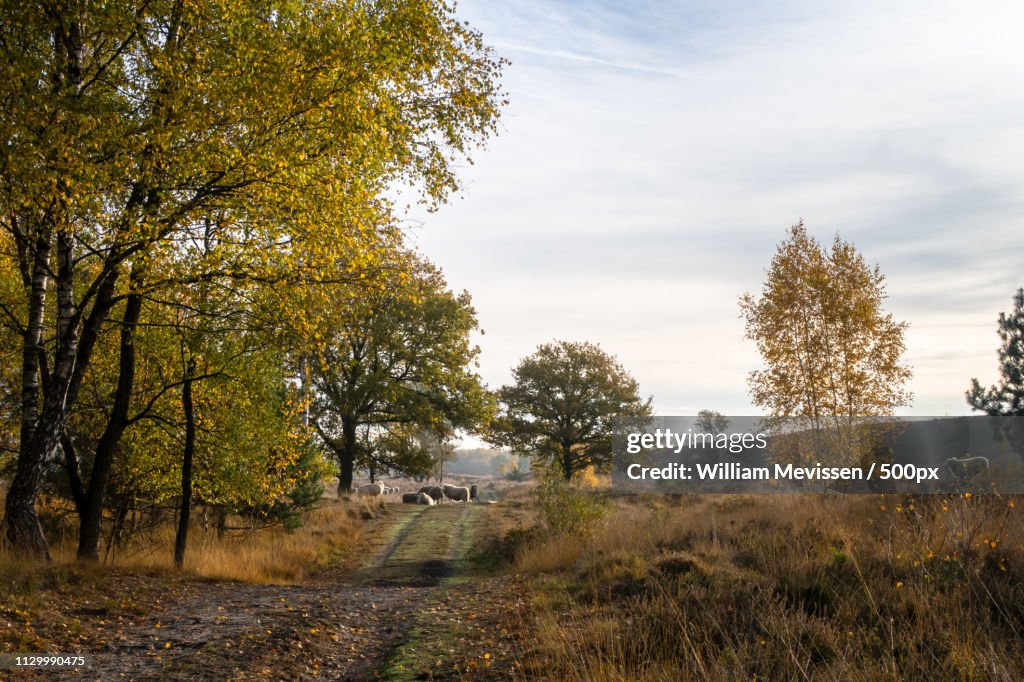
column 653, row 155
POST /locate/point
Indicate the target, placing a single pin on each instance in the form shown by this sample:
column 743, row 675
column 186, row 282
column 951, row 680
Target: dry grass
column 784, row 587
column 265, row 555
column 549, row 553
column 269, row 555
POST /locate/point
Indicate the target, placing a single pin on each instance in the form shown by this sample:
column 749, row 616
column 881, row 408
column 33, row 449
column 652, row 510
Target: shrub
column 567, row 509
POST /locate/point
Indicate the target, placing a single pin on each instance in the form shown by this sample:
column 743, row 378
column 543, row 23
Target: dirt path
column 384, row 620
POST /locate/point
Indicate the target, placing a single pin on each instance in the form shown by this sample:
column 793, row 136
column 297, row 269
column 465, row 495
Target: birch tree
column 831, row 352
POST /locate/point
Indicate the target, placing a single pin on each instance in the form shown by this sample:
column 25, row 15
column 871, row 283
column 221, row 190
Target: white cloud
column 651, row 157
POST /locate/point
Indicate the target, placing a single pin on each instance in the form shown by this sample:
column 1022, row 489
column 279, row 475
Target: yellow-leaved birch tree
column 831, row 353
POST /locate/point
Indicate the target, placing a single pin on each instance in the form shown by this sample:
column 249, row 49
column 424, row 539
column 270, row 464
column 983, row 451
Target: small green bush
column 568, row 510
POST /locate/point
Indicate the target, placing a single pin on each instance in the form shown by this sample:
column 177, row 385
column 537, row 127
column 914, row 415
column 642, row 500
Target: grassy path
column 427, row 549
column 397, row 610
column 454, row 632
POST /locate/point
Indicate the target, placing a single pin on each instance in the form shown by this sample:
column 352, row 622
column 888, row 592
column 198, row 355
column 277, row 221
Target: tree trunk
column 117, row 527
column 91, row 520
column 347, row 454
column 567, row 461
column 32, row 345
column 40, row 432
column 23, row 528
column 222, row 521
column 181, row 539
column 74, row 480
column 38, row 451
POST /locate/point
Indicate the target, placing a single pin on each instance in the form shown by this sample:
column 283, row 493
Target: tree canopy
column 152, row 145
column 560, row 408
column 830, row 349
column 833, row 356
column 396, row 357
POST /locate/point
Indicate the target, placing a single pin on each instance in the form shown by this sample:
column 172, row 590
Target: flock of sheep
column 963, row 470
column 428, row 495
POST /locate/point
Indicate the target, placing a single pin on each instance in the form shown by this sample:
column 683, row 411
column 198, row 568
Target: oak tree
column 711, row 421
column 397, row 352
column 560, row 407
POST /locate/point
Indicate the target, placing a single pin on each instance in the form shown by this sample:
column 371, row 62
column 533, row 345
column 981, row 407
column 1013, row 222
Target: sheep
column 474, row 493
column 423, row 498
column 411, row 498
column 457, row 493
column 433, row 491
column 370, row 490
column 967, row 468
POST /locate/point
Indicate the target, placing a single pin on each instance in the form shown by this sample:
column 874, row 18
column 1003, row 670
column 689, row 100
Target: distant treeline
column 488, row 462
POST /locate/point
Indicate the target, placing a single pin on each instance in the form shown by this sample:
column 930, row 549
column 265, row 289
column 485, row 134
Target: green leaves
column 561, row 405
column 393, row 352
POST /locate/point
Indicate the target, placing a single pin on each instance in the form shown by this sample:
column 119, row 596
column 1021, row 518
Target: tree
column 249, row 453
column 214, row 419
column 188, row 459
column 832, row 353
column 395, row 353
column 10, row 338
column 441, row 450
column 561, row 406
column 125, row 125
column 395, row 449
column 1007, row 398
column 141, row 366
column 710, row 421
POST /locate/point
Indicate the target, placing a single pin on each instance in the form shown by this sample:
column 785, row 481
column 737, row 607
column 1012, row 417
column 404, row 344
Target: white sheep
column 423, row 498
column 456, row 493
column 370, row 490
column 967, row 468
